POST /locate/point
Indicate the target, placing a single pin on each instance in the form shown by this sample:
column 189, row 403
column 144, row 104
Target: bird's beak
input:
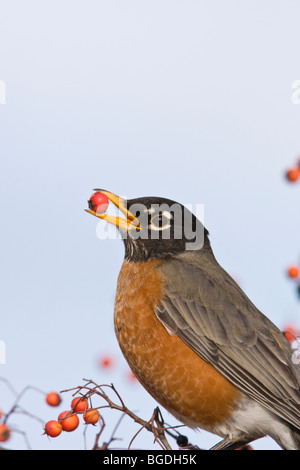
column 131, row 221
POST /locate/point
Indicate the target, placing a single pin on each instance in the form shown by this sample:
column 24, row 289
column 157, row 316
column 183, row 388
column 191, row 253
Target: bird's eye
column 160, row 221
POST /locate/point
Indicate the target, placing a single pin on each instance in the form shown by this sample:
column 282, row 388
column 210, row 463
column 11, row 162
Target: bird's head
column 154, row 227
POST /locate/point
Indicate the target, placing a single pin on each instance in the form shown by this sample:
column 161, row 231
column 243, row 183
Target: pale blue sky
column 189, row 100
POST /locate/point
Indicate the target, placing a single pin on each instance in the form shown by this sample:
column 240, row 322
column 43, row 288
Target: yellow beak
column 131, row 221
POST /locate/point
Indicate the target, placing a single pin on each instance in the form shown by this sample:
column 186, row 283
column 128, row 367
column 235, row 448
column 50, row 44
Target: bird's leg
column 159, row 432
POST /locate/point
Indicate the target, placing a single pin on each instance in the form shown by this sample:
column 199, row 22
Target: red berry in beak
column 98, row 202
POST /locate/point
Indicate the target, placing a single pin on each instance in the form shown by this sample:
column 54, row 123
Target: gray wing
column 205, row 307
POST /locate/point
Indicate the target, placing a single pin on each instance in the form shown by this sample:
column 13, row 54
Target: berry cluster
column 68, row 420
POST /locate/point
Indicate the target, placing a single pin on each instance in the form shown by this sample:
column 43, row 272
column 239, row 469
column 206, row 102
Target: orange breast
column 176, row 377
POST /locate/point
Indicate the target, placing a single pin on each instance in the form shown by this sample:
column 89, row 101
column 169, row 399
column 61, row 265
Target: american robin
column 192, row 337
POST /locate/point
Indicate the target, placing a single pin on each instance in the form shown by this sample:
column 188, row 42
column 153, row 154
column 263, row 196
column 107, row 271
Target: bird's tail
column 286, row 435
column 296, row 437
column 290, row 439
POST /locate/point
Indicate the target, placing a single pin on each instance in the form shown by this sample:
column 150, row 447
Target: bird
column 191, row 335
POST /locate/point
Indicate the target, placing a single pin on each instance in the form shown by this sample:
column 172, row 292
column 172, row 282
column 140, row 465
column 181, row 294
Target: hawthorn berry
column 53, row 399
column 106, row 361
column 290, row 332
column 79, row 405
column 98, row 202
column 53, row 428
column 131, row 376
column 68, row 420
column 91, row 416
column 293, row 272
column 293, row 174
column 4, row 432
